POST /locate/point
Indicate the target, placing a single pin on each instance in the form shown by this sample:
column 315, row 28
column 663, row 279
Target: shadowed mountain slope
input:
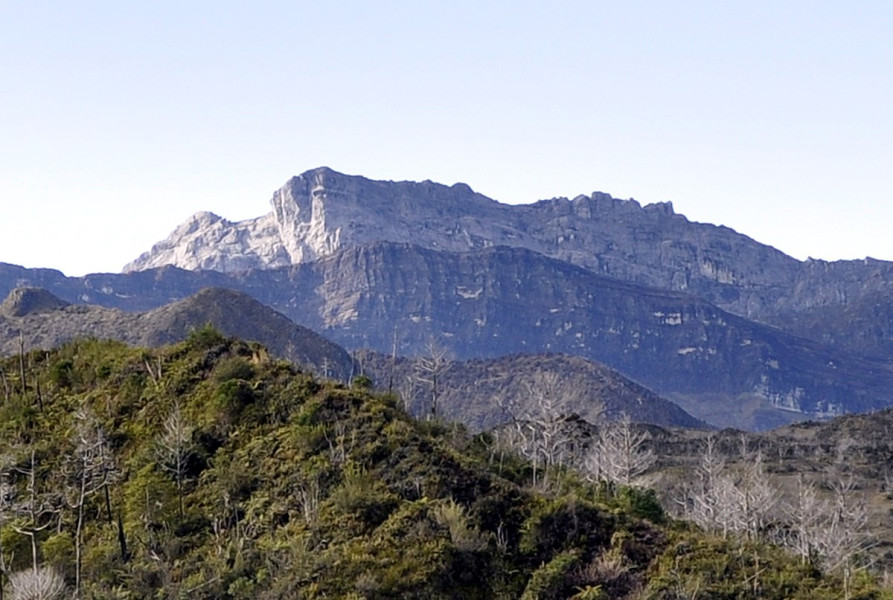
column 46, row 322
column 487, row 393
column 718, row 366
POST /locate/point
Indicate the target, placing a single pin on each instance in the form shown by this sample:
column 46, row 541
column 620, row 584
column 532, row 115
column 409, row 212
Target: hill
column 207, row 470
column 42, row 320
column 37, row 319
column 485, row 393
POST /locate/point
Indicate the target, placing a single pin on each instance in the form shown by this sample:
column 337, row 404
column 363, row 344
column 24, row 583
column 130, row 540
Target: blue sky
column 120, row 119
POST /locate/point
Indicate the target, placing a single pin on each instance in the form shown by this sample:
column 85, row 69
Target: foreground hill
column 37, row 319
column 206, row 470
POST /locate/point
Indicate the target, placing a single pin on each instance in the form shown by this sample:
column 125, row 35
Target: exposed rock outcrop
column 321, row 212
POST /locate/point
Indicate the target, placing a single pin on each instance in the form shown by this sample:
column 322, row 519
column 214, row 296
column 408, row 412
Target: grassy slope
column 294, row 488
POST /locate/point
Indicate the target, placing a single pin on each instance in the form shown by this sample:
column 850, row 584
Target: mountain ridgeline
column 322, row 211
column 734, row 331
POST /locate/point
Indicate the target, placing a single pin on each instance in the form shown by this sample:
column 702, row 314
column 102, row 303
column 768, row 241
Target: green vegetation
column 208, row 470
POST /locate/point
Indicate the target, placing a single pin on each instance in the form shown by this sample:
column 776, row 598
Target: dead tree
column 91, row 470
column 709, row 501
column 174, row 449
column 429, row 370
column 538, row 415
column 619, row 453
column 36, row 508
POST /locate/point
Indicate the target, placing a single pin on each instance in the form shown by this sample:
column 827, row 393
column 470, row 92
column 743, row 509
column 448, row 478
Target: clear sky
column 120, row 119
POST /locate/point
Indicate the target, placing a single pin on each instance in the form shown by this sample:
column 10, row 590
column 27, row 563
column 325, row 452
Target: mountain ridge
column 322, row 211
column 718, row 366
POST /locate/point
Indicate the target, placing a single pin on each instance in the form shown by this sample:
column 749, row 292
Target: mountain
column 44, row 321
column 720, row 367
column 320, row 212
column 38, row 319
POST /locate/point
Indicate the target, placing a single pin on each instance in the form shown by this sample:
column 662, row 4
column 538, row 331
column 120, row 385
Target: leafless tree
column 174, row 449
column 429, row 369
column 22, row 361
column 709, row 501
column 407, row 392
column 619, row 453
column 808, row 513
column 44, row 583
column 844, row 532
column 91, row 470
column 36, row 509
column 538, row 421
column 756, row 497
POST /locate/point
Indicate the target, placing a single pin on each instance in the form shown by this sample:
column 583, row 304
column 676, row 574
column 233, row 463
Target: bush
column 641, row 503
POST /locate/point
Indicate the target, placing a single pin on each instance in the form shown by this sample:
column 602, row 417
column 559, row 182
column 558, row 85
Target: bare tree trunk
column 122, row 540
column 6, row 392
column 22, row 362
column 175, row 449
column 39, row 393
column 78, row 542
column 430, row 367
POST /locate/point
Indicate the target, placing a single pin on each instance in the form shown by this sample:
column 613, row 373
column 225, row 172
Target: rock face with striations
column 720, row 367
column 321, row 212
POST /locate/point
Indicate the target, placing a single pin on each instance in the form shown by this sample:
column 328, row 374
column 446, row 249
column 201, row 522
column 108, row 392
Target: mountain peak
column 28, row 300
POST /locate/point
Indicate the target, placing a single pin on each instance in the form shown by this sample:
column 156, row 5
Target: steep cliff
column 321, row 212
column 719, row 366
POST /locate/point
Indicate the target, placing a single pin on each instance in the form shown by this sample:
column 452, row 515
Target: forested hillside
column 209, row 470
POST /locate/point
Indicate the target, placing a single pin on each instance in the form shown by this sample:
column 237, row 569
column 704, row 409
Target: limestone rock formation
column 321, row 211
column 720, row 367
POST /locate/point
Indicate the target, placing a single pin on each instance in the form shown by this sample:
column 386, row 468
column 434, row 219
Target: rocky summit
column 322, row 211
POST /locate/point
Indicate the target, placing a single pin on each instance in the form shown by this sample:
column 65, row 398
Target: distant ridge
column 479, row 391
column 24, row 301
column 49, row 322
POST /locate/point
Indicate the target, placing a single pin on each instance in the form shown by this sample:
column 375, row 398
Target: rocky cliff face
column 719, row 366
column 321, row 212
